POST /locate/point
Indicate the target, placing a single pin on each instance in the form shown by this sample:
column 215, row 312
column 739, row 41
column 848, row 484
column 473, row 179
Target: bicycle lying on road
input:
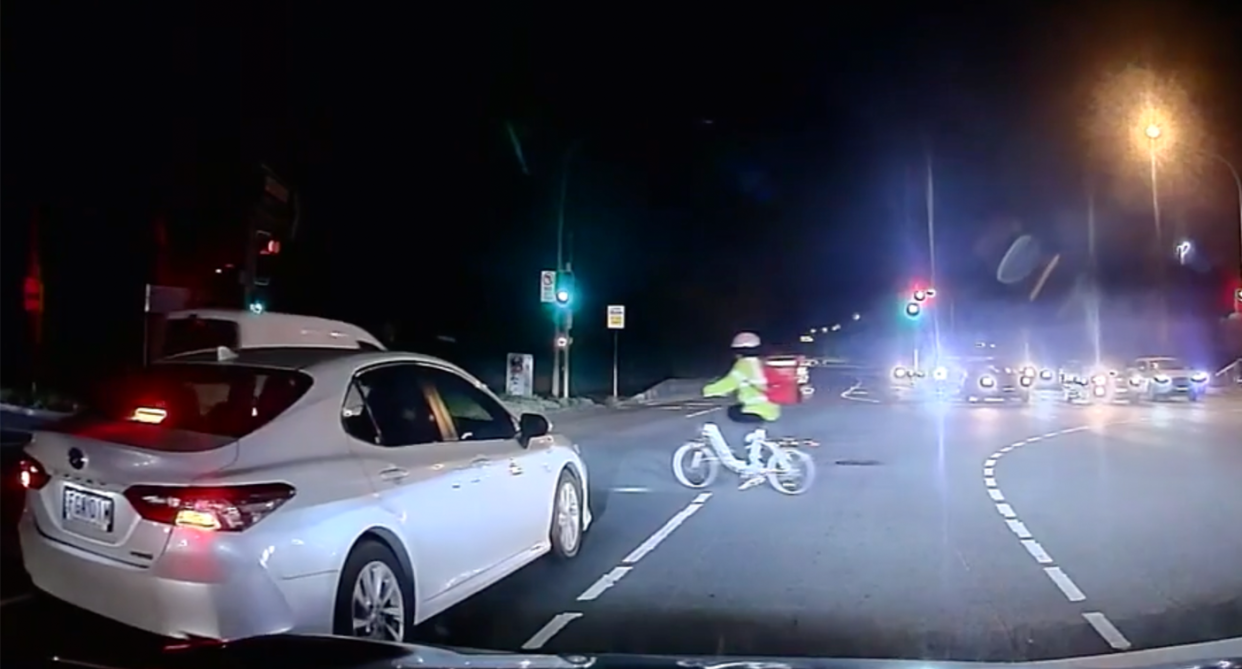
column 788, row 468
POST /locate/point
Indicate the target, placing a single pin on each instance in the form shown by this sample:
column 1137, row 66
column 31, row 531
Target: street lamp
column 1153, row 132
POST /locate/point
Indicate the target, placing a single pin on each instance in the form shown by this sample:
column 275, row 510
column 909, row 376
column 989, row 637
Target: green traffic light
column 257, row 307
column 562, row 296
column 913, row 310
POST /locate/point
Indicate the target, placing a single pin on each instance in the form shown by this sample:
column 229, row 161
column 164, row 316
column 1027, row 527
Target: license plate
column 87, row 508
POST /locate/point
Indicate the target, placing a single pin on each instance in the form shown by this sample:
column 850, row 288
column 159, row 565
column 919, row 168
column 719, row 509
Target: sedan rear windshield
column 214, row 399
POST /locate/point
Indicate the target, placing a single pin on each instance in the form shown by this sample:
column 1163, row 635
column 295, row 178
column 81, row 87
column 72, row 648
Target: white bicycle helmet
column 746, row 340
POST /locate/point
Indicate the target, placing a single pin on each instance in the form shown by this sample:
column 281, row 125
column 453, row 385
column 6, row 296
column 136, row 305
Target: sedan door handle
column 393, row 474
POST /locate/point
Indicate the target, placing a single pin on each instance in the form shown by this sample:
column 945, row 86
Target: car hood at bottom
column 330, row 652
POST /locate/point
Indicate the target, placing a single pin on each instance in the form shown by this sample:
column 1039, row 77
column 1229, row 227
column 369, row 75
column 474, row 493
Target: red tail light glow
column 152, row 415
column 31, row 474
column 226, row 508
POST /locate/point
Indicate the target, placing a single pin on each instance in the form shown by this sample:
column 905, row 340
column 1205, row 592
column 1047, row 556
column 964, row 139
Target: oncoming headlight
column 1099, row 379
column 1199, row 377
column 1161, row 378
column 1026, row 381
column 900, row 373
column 986, row 382
column 1046, row 375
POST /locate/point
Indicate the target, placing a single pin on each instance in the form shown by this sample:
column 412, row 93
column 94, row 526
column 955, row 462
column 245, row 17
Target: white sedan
column 230, row 494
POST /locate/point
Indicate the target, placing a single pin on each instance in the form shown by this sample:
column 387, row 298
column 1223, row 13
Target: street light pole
column 1153, row 134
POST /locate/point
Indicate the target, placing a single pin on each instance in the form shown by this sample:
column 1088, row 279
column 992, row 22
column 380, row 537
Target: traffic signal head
column 913, row 310
column 564, row 289
column 257, row 306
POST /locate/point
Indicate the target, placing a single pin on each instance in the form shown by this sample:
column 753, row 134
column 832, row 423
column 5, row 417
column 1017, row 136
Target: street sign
column 547, row 286
column 616, row 317
column 519, row 380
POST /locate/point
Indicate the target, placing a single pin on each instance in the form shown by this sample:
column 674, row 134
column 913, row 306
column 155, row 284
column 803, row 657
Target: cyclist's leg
column 743, row 426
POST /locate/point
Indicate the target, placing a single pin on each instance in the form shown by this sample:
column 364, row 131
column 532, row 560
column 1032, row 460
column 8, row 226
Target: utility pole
column 563, row 324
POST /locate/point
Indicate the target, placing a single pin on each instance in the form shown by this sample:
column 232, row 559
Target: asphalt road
column 967, row 533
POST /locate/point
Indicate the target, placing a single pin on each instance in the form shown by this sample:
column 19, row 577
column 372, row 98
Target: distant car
column 227, row 494
column 1156, row 378
column 1095, row 383
column 992, row 382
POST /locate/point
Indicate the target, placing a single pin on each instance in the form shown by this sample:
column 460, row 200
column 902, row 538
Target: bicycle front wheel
column 695, row 466
column 791, row 471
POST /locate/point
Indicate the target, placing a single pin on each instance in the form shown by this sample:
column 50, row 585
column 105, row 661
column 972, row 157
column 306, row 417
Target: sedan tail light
column 225, row 508
column 31, row 474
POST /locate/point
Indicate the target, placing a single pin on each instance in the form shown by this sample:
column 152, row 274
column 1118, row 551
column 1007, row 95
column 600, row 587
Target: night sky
column 732, row 169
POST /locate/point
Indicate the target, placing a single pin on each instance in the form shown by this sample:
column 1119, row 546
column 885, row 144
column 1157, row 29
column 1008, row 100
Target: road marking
column 1098, row 621
column 1041, row 556
column 545, row 633
column 17, row 599
column 1108, row 630
column 1066, row 585
column 848, row 394
column 632, row 489
column 606, row 581
column 703, row 412
column 661, row 534
column 1018, row 528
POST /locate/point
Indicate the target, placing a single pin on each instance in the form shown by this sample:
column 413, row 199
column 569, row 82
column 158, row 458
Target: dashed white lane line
column 545, row 633
column 608, row 580
column 1068, row 587
column 1098, row 621
column 1106, row 629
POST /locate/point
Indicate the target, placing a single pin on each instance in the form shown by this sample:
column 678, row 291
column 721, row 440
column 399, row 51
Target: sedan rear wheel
column 373, row 599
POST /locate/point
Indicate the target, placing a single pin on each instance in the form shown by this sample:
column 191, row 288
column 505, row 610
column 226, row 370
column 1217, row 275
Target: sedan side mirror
column 530, row 426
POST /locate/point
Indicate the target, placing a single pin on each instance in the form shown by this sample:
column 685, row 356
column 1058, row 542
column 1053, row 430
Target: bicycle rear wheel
column 791, row 471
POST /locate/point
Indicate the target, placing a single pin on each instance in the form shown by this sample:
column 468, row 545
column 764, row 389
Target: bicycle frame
column 710, row 433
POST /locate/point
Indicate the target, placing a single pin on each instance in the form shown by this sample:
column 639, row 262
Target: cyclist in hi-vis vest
column 749, row 381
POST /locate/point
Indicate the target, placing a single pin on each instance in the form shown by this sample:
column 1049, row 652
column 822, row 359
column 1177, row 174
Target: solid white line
column 1108, row 630
column 1041, row 556
column 661, row 534
column 545, row 633
column 606, row 581
column 1006, row 510
column 1063, row 582
column 703, row 412
column 996, row 494
column 1018, row 528
column 15, row 599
